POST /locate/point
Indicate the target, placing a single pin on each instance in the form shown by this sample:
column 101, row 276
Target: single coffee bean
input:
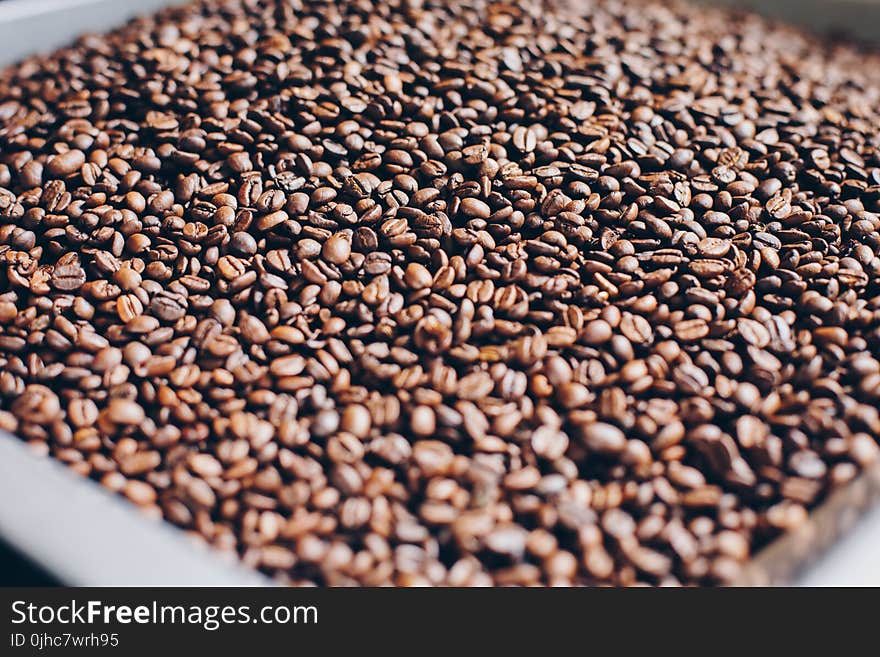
column 603, row 438
column 124, row 411
column 597, row 332
column 68, row 278
column 417, row 276
column 243, row 244
column 337, row 249
column 474, row 207
column 66, row 163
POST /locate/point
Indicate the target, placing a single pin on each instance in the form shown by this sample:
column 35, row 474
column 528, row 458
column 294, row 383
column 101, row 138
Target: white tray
column 82, row 535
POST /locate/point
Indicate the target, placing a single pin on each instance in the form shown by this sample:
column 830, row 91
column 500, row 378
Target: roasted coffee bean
column 474, row 207
column 337, row 249
column 68, row 278
column 168, row 307
column 603, row 437
column 124, row 411
column 243, row 244
column 417, row 276
column 418, row 293
column 597, row 332
column 65, row 163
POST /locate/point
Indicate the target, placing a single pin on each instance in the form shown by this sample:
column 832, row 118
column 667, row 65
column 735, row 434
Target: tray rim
column 84, row 535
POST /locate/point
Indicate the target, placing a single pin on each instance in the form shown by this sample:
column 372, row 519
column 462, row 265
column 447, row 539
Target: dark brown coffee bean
column 124, row 411
column 288, row 365
column 128, row 306
column 337, row 249
column 602, row 437
column 691, row 330
column 8, row 312
column 474, row 207
column 596, row 332
column 66, row 163
column 243, row 244
column 68, row 278
column 37, row 404
column 167, row 307
column 417, row 276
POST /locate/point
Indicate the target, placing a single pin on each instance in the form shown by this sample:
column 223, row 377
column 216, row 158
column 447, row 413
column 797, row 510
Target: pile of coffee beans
column 449, row 293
